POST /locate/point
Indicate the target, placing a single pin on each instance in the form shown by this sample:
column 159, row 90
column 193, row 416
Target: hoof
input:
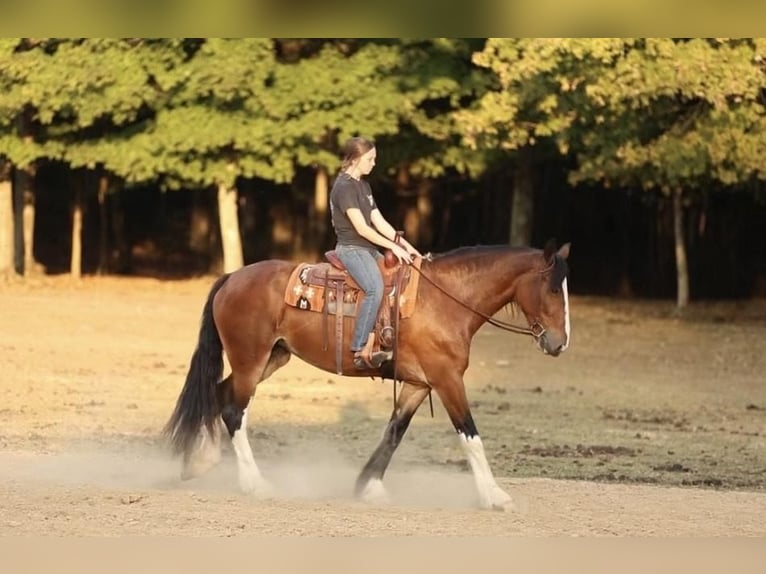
column 197, row 466
column 499, row 500
column 203, row 455
column 255, row 486
column 374, row 492
column 508, row 506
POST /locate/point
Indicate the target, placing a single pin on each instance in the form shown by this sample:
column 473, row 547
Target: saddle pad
column 303, row 293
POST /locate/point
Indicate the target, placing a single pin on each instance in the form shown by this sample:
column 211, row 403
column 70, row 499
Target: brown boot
column 366, row 358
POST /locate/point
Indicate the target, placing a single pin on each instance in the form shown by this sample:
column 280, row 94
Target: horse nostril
column 553, row 348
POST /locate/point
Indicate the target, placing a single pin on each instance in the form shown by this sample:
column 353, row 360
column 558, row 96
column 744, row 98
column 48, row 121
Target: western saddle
column 329, row 288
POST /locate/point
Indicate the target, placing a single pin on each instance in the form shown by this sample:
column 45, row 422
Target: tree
column 657, row 114
column 18, row 147
column 437, row 79
column 67, row 96
column 182, row 118
column 323, row 92
column 402, row 93
column 522, row 112
column 675, row 116
column 110, row 95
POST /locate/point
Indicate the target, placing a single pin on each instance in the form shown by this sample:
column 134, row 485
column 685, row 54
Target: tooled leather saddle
column 328, row 288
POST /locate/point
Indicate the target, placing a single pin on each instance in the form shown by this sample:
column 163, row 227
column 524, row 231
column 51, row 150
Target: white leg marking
column 374, row 492
column 566, row 314
column 490, row 494
column 250, row 478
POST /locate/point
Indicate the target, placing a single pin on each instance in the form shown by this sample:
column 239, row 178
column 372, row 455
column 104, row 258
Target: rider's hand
column 410, row 249
column 401, row 254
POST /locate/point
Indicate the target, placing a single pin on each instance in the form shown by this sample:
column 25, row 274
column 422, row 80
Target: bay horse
column 246, row 317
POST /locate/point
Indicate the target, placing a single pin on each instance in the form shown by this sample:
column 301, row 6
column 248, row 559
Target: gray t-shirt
column 347, row 193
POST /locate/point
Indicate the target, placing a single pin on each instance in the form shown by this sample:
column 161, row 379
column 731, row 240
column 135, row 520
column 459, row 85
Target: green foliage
column 196, row 112
column 66, row 95
column 657, row 113
column 673, row 113
column 437, row 79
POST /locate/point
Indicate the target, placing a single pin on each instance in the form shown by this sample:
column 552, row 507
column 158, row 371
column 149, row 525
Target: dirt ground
column 649, row 425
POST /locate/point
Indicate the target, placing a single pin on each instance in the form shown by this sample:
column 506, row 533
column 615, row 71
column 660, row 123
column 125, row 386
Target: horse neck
column 485, row 278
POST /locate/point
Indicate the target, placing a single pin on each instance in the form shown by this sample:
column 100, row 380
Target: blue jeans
column 362, row 265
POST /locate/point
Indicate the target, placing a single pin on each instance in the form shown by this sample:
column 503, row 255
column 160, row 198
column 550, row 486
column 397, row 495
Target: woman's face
column 366, row 162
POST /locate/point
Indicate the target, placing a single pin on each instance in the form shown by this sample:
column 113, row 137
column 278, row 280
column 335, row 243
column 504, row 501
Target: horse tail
column 197, row 405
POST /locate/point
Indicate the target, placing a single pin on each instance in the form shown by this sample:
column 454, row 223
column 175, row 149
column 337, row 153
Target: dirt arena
column 649, row 425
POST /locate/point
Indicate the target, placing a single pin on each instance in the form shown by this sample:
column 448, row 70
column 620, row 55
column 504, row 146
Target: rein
column 536, row 331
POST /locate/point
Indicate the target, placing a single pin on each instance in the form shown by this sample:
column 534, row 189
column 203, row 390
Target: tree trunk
column 624, row 286
column 6, row 227
column 230, row 237
column 408, row 209
column 103, row 225
column 410, row 223
column 445, row 217
column 200, row 224
column 121, row 254
column 424, row 238
column 682, row 268
column 18, row 224
column 25, row 222
column 30, row 265
column 522, row 207
column 25, row 203
column 318, row 214
column 75, row 261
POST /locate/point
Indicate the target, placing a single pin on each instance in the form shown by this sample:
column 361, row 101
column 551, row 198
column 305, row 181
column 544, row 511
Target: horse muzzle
column 550, row 344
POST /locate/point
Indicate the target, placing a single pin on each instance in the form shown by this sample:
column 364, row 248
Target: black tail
column 197, row 404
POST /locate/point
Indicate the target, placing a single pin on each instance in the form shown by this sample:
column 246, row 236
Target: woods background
column 173, row 157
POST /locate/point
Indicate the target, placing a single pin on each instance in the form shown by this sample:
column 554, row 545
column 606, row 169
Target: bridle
column 536, row 330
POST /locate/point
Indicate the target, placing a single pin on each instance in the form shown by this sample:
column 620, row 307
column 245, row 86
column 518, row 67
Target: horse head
column 543, row 298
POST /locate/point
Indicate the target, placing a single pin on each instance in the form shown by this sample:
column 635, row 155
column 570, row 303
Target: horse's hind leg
column 235, row 394
column 455, row 402
column 369, row 484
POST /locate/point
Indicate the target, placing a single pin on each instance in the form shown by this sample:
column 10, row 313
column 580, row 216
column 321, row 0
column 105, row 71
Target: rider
column 360, row 229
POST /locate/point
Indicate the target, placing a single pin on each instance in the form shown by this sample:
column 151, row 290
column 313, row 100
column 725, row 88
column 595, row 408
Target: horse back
column 255, row 290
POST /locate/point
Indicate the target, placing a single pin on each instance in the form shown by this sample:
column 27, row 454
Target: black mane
column 559, row 267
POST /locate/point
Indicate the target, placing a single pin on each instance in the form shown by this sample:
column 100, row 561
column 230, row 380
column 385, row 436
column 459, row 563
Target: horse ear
column 550, row 250
column 564, row 251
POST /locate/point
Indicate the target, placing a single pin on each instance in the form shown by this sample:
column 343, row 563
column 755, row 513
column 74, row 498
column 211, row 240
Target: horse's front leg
column 369, row 484
column 455, row 401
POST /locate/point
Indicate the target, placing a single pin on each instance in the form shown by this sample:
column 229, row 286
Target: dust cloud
column 311, row 472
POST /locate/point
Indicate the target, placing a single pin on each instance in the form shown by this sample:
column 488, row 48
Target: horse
column 246, row 317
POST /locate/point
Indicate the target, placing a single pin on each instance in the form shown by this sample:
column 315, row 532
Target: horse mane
column 471, row 254
column 469, row 257
column 476, row 250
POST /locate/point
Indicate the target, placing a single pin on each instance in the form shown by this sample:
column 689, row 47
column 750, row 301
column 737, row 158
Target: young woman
column 361, row 229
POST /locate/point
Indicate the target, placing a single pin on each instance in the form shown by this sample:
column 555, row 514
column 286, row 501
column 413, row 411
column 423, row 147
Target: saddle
column 328, row 288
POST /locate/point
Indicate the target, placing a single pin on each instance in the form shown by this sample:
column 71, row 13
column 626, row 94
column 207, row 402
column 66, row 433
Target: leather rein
column 536, row 330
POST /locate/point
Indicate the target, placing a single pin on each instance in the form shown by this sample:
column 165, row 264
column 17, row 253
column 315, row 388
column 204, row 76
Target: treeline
column 646, row 153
